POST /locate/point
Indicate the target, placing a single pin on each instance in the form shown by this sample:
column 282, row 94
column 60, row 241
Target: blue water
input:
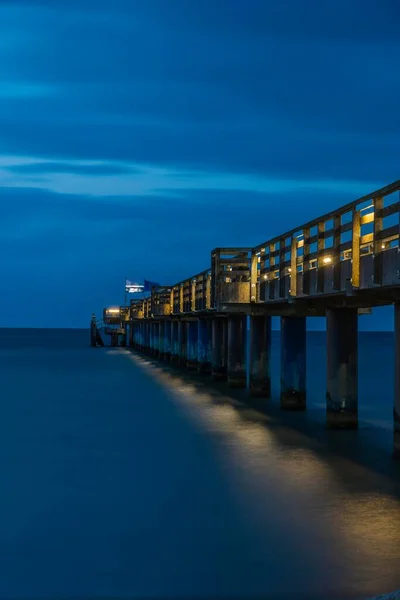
column 122, row 479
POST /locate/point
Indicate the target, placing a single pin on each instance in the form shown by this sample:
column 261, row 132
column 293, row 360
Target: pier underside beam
column 293, row 363
column 219, row 361
column 260, row 356
column 237, row 330
column 342, row 367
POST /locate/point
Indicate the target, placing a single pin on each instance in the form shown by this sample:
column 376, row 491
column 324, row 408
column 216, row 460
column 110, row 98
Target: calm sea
column 122, row 479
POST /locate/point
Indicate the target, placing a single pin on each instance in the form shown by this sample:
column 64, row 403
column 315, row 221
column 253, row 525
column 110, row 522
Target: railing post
column 355, row 250
column 342, row 358
column 293, row 363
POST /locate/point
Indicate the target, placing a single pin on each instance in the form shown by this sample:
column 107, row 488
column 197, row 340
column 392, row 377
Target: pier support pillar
column 156, row 339
column 135, row 334
column 237, row 330
column 396, row 408
column 147, row 337
column 342, row 359
column 219, row 335
column 182, row 343
column 161, row 339
column 204, row 345
column 293, row 363
column 141, row 335
column 260, row 356
column 174, row 343
column 191, row 344
column 151, row 338
column 167, row 340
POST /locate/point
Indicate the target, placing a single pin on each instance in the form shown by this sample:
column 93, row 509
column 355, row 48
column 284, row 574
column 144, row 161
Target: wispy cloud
column 127, row 179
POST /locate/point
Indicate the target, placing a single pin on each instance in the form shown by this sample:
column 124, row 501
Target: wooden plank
column 388, row 232
column 368, row 218
column 392, row 209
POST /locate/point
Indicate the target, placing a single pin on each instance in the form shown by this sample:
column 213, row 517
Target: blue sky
column 136, row 135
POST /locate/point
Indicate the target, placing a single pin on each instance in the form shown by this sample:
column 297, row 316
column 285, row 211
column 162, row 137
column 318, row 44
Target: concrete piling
column 174, row 343
column 156, row 339
column 192, row 345
column 260, row 356
column 293, row 363
column 167, row 340
column 342, row 367
column 204, row 345
column 236, row 367
column 219, row 362
column 182, row 343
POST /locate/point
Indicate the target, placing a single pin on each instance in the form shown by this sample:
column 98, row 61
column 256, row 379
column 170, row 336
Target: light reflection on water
column 343, row 516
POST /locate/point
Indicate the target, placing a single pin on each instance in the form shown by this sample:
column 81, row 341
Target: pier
column 337, row 266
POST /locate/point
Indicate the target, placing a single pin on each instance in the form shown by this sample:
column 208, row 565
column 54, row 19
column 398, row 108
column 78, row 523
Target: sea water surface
column 122, row 479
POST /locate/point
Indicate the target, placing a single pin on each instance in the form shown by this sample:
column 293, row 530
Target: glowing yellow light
column 113, row 310
column 289, row 270
column 327, row 259
column 265, row 276
column 383, row 245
